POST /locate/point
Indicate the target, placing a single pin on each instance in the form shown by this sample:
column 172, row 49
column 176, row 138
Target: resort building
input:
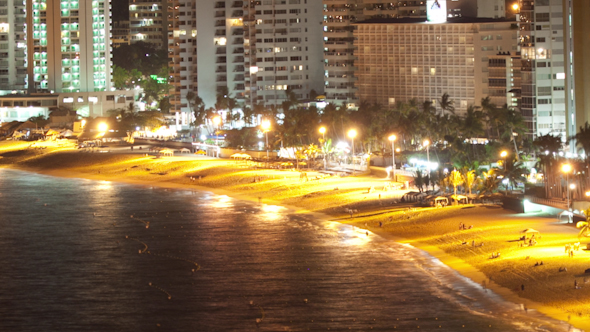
column 254, row 50
column 54, row 47
column 404, row 59
column 148, row 22
column 120, row 33
column 504, row 80
column 341, row 15
column 13, row 47
column 545, row 98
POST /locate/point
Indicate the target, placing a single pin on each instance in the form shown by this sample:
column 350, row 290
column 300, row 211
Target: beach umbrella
column 530, row 231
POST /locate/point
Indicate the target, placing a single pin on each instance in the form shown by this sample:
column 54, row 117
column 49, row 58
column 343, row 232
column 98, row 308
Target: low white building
column 87, row 104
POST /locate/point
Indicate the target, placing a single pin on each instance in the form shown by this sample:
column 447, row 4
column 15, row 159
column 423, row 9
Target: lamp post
column 567, row 168
column 392, row 139
column 426, row 144
column 352, row 135
column 266, row 127
column 503, row 154
column 323, row 132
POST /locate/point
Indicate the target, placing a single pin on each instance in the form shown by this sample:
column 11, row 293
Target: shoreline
column 461, row 266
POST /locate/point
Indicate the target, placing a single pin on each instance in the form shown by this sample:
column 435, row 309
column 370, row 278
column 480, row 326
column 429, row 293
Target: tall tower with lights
column 13, row 50
column 69, row 47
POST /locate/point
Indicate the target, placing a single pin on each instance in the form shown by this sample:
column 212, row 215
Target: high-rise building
column 544, row 100
column 339, row 19
column 255, row 49
column 68, row 45
column 13, row 46
column 504, row 79
column 120, row 33
column 148, row 22
column 491, row 8
column 56, row 48
column 404, row 59
column 577, row 20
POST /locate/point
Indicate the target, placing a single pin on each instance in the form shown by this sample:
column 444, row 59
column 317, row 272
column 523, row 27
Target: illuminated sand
column 434, row 230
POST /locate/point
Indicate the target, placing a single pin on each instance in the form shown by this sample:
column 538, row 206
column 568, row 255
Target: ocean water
column 82, row 255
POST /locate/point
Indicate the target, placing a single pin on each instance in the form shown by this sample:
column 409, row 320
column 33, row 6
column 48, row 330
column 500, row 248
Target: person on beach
column 522, row 287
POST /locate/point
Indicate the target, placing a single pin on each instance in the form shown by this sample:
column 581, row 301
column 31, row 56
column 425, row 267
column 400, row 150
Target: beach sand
column 433, row 230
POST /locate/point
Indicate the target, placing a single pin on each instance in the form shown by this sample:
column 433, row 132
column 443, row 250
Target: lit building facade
column 340, row 16
column 339, row 53
column 13, row 46
column 120, row 33
column 148, row 22
column 54, row 47
column 257, row 49
column 404, row 59
column 544, row 75
column 69, row 48
column 504, row 80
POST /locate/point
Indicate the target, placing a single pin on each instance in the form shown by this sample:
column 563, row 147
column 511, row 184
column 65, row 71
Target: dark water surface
column 70, row 261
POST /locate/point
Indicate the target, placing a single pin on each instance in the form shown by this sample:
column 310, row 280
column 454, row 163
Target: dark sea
column 82, row 255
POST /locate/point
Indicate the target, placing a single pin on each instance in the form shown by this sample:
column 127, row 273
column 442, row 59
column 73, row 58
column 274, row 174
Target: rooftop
column 409, row 20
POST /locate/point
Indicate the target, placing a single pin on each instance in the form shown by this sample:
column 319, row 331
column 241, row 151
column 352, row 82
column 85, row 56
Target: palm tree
column 447, row 104
column 583, row 138
column 584, row 225
column 472, row 125
column 311, row 151
column 419, row 180
column 469, row 178
column 547, row 146
column 197, row 105
column 513, row 171
column 489, row 182
column 455, row 179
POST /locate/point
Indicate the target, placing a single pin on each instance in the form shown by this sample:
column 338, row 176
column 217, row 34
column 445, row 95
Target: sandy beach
column 517, row 274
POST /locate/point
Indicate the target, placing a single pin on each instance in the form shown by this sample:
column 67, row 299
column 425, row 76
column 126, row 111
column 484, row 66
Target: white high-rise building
column 13, row 50
column 56, row 48
column 404, row 59
column 544, row 69
column 491, row 8
column 257, row 49
column 340, row 16
column 148, row 22
column 68, row 45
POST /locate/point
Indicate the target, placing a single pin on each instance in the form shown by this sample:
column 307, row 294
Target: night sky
column 120, row 9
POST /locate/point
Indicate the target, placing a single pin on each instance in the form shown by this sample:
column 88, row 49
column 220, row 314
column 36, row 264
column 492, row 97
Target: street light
column 266, row 128
column 352, row 135
column 392, row 139
column 323, row 132
column 503, row 154
column 103, row 127
column 515, row 7
column 567, row 168
column 426, row 144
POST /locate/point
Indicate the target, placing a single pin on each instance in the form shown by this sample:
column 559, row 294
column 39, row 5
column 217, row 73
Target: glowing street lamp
column 392, row 139
column 426, row 143
column 567, row 168
column 352, row 135
column 503, row 154
column 515, row 7
column 103, row 127
column 266, row 128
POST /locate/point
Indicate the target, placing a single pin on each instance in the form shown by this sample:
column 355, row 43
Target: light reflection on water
column 69, row 252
